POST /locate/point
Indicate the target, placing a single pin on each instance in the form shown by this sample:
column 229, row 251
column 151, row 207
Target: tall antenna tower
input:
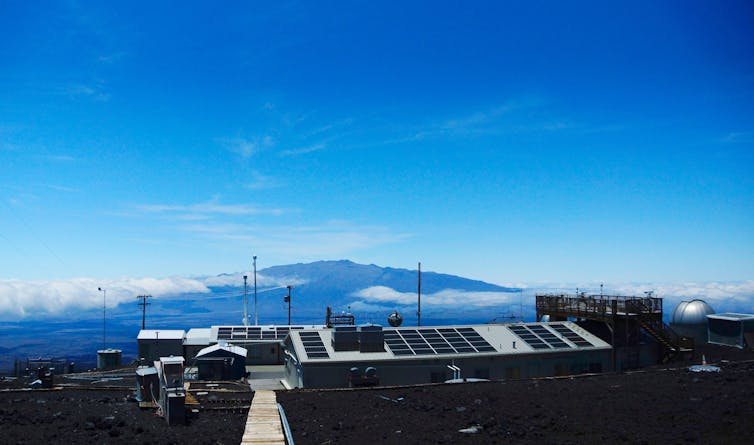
column 104, row 317
column 256, row 314
column 143, row 303
column 419, row 295
column 245, row 303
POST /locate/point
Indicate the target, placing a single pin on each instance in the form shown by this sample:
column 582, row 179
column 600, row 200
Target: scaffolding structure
column 625, row 316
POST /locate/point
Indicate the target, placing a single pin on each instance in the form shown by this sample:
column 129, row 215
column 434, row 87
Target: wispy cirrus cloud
column 333, row 238
column 109, row 59
column 262, row 182
column 62, row 188
column 738, row 137
column 95, row 92
column 246, row 147
column 208, row 208
column 60, row 158
column 303, row 150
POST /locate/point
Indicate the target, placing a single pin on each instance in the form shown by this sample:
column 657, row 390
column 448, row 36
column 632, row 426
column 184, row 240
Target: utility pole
column 104, row 318
column 245, row 303
column 419, row 294
column 256, row 315
column 287, row 299
column 143, row 303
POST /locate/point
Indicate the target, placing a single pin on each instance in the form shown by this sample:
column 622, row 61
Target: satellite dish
column 395, row 319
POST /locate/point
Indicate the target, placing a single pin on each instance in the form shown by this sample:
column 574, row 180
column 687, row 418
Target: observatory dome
column 692, row 312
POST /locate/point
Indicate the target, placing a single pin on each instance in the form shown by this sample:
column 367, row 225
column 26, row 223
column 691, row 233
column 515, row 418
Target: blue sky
column 534, row 141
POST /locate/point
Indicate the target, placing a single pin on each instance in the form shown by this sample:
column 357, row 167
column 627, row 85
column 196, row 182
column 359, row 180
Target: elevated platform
column 628, row 314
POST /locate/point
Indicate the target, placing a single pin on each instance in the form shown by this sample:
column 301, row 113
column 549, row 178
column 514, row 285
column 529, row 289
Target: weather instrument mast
column 104, row 317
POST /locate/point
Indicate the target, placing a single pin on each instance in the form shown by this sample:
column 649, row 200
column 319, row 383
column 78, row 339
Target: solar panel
column 435, row 341
column 313, row 345
column 538, row 337
column 571, row 335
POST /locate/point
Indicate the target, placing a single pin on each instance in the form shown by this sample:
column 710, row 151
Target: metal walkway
column 263, row 425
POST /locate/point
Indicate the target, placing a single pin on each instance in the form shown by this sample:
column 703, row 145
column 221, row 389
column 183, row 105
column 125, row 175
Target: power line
column 143, row 303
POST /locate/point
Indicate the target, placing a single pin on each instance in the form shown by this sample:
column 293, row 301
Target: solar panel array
column 313, row 345
column 405, row 342
column 571, row 335
column 253, row 332
column 540, row 337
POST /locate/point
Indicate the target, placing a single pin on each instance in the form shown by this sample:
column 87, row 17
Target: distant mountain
column 345, row 277
column 372, row 290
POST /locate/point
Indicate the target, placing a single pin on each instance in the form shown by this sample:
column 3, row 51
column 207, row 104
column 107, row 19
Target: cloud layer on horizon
column 21, row 299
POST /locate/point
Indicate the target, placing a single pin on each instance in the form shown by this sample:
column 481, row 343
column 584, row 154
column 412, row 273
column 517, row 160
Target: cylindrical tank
column 108, row 358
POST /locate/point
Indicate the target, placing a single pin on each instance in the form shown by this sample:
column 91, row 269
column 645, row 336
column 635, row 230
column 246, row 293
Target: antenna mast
column 104, row 317
column 256, row 314
column 143, row 303
column 419, row 295
column 245, row 303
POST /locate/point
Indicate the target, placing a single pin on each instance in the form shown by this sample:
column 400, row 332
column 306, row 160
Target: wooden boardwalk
column 263, row 425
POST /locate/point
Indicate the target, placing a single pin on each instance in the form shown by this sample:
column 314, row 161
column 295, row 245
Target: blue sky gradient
column 534, row 141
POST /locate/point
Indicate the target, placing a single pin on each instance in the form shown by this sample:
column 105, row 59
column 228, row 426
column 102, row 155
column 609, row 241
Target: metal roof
column 237, row 350
column 171, row 360
column 160, row 334
column 732, row 316
column 198, row 336
column 496, row 339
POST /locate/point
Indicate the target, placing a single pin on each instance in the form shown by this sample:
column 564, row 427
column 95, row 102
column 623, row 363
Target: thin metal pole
column 245, row 303
column 104, row 317
column 419, row 294
column 256, row 314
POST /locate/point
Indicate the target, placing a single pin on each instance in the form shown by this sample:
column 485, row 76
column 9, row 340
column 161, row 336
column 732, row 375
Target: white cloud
column 723, row 296
column 736, row 137
column 61, row 188
column 445, row 297
column 303, row 150
column 263, row 282
column 247, row 147
column 94, row 92
column 334, row 238
column 262, row 182
column 208, row 208
column 35, row 298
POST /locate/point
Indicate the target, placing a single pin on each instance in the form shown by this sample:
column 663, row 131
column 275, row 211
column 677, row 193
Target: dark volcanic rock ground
column 663, row 406
column 658, row 406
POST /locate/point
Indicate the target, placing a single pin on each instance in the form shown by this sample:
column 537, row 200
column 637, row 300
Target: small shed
column 156, row 343
column 221, row 362
column 730, row 328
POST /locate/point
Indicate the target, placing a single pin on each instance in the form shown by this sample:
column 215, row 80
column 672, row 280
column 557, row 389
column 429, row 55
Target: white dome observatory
column 690, row 319
column 692, row 312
